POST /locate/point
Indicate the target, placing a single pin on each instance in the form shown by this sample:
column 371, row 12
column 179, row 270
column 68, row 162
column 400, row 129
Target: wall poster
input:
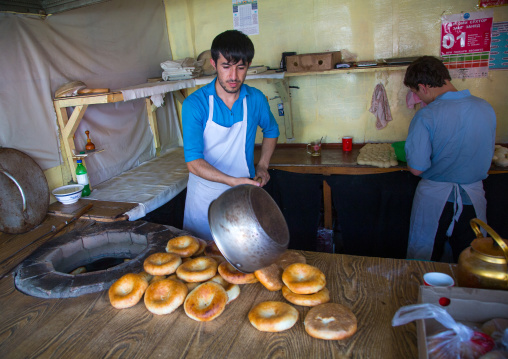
column 491, row 3
column 245, row 16
column 499, row 46
column 465, row 43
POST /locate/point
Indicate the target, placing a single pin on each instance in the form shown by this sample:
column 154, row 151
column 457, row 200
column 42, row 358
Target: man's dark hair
column 426, row 70
column 234, row 45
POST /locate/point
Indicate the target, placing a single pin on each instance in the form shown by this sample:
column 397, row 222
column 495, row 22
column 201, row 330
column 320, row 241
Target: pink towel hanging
column 380, row 107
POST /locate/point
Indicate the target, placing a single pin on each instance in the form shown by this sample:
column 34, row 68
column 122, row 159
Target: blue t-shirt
column 453, row 138
column 195, row 110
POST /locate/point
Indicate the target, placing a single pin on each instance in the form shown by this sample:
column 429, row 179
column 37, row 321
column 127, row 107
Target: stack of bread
column 185, row 274
column 193, row 273
column 304, row 285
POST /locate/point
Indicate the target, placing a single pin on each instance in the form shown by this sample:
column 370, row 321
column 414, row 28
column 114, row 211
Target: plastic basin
column 399, row 150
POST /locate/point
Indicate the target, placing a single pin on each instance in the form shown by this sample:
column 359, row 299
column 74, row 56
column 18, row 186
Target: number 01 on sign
column 465, row 43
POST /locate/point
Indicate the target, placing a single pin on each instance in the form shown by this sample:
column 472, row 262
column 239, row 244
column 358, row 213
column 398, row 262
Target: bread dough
column 377, row 154
column 500, row 157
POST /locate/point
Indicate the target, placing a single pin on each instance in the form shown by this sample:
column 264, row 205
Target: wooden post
column 282, row 87
column 327, row 200
column 152, row 121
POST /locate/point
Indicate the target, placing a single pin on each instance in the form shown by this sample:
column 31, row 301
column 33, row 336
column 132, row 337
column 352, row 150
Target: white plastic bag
column 455, row 341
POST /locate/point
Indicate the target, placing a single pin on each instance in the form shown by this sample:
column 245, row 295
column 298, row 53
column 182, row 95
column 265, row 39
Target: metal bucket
column 248, row 227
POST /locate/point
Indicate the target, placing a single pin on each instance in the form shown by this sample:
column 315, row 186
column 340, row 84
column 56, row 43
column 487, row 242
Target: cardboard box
column 466, row 305
column 313, row 62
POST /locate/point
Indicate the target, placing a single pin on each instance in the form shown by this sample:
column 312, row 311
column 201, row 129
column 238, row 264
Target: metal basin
column 248, row 227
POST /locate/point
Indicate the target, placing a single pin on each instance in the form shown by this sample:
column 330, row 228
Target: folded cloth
column 186, row 68
column 380, row 107
column 412, row 99
column 179, row 64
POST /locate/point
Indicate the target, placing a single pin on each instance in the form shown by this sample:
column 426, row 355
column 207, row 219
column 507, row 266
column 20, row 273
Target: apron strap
column 210, row 105
column 457, row 208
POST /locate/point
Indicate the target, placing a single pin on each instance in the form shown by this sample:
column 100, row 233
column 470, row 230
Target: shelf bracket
column 282, row 87
column 179, row 95
column 68, row 128
column 152, row 121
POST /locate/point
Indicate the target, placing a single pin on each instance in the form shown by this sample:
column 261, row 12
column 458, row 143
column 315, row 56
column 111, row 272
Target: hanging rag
column 412, row 99
column 157, row 100
column 380, row 107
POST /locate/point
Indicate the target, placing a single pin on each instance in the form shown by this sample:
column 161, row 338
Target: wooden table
column 89, row 327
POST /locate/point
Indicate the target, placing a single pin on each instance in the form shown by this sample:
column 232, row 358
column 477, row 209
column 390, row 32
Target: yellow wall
column 336, row 105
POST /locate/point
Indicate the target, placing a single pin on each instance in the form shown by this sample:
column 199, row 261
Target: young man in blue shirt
column 220, row 122
column 450, row 145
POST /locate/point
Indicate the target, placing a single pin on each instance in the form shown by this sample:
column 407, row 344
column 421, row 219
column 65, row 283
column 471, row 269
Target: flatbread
column 377, row 154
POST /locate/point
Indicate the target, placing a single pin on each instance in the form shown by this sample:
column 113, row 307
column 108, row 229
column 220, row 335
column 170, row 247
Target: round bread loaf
column 127, row 290
column 232, row 275
column 232, row 290
column 184, row 246
column 206, row 302
column 330, row 321
column 162, row 263
column 303, row 278
column 273, row 316
column 198, row 269
column 201, row 249
column 270, row 277
column 307, row 300
column 289, row 257
column 164, row 296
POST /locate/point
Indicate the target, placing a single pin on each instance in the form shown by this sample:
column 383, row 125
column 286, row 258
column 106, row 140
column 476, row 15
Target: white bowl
column 68, row 194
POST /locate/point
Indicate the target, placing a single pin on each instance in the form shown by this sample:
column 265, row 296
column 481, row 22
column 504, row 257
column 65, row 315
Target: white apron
column 428, row 203
column 224, row 148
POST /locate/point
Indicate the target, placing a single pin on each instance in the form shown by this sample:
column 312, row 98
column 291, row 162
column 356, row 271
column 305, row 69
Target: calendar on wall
column 465, row 43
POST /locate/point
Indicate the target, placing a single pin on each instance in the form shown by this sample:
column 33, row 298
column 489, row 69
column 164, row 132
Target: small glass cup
column 314, row 148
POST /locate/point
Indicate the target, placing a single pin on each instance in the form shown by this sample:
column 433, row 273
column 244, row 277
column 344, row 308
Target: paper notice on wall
column 491, row 3
column 499, row 46
column 465, row 43
column 245, row 16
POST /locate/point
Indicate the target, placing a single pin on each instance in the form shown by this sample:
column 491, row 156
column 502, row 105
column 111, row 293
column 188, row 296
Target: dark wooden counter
column 89, row 327
column 294, row 158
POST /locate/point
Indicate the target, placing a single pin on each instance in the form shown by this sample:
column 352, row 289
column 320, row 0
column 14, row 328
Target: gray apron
column 428, row 203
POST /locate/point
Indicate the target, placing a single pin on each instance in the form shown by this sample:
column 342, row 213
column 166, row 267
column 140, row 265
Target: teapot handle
column 476, row 223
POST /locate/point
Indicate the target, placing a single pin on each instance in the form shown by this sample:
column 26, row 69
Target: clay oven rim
column 37, row 275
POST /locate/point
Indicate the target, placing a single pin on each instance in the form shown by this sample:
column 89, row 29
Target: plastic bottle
column 82, row 176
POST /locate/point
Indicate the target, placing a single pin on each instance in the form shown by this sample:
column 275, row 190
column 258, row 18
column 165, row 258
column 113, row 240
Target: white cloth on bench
column 151, row 184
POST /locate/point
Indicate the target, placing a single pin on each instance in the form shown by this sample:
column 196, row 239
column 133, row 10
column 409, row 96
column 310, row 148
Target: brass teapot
column 485, row 263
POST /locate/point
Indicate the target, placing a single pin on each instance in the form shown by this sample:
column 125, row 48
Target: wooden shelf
column 349, row 70
column 68, row 125
column 89, row 99
column 86, row 154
